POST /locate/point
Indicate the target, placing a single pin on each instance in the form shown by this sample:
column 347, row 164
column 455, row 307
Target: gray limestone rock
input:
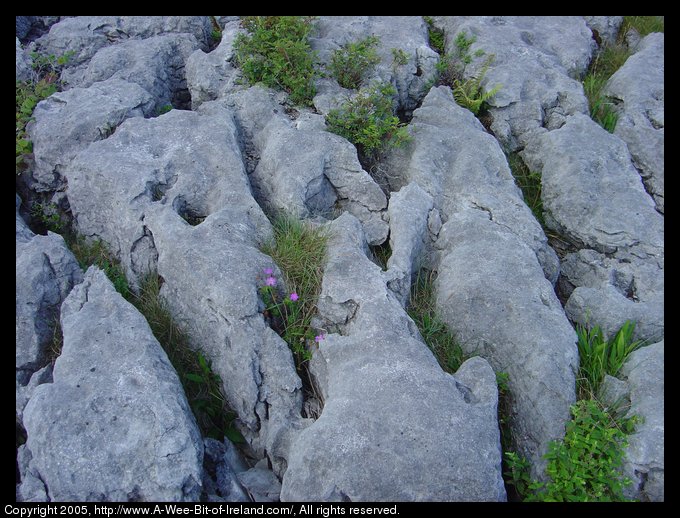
column 156, row 64
column 492, row 290
column 115, row 423
column 409, row 211
column 67, row 122
column 46, row 271
column 85, row 35
column 261, row 484
column 220, row 481
column 605, row 28
column 23, row 26
column 211, row 75
column 538, row 61
column 394, row 426
column 644, row 462
column 24, row 62
column 638, row 87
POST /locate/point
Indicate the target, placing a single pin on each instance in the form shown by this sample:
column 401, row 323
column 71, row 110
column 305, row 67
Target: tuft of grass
column 434, row 331
column 350, row 63
column 368, row 121
column 607, row 61
column 276, row 52
column 530, row 184
column 644, row 25
column 299, row 249
column 96, row 252
column 599, row 356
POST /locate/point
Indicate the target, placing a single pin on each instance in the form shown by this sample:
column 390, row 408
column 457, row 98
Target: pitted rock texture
column 390, row 448
column 115, row 423
column 639, row 86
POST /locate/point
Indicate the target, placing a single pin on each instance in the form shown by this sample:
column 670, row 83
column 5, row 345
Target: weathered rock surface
column 67, row 122
column 85, row 35
column 489, row 249
column 438, row 440
column 23, row 62
column 220, row 465
column 538, row 61
column 644, row 463
column 323, row 173
column 46, row 271
column 605, row 28
column 211, row 75
column 156, row 64
column 115, row 423
column 639, row 86
column 594, row 197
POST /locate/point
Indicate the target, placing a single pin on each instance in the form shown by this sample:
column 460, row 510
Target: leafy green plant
column 349, row 63
column 399, row 57
column 584, row 467
column 435, row 36
column 599, row 356
column 434, row 331
column 368, row 121
column 276, row 52
column 48, row 216
column 468, row 92
column 300, row 251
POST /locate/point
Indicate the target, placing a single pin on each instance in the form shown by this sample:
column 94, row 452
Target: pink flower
column 268, row 271
column 318, row 338
column 294, row 296
column 270, row 281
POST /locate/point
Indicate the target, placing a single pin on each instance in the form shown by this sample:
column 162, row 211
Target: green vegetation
column 451, row 68
column 434, row 331
column 607, row 61
column 299, row 249
column 530, row 184
column 164, row 109
column 202, row 386
column 399, row 57
column 368, row 121
column 435, row 35
column 349, row 63
column 599, row 356
column 276, row 52
column 47, row 216
column 586, row 465
column 644, row 25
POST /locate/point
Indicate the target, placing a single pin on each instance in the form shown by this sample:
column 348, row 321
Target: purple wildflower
column 318, row 338
column 294, row 296
column 270, row 281
column 268, row 271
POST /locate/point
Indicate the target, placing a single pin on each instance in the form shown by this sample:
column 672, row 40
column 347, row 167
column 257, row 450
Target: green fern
column 470, row 94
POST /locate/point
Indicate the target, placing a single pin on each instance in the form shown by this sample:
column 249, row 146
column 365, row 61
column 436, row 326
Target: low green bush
column 349, row 63
column 276, row 52
column 368, row 121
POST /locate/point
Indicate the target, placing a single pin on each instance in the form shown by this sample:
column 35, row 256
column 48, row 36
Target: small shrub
column 599, row 356
column 435, row 36
column 48, row 216
column 368, row 121
column 350, row 63
column 399, row 57
column 276, row 52
column 299, row 250
column 434, row 331
column 468, row 92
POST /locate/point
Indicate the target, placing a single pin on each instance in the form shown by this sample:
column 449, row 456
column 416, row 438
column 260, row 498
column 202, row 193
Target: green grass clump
column 96, row 252
column 530, row 184
column 599, row 356
column 349, row 63
column 434, row 331
column 586, row 465
column 299, row 249
column 276, row 52
column 607, row 61
column 644, row 25
column 368, row 121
